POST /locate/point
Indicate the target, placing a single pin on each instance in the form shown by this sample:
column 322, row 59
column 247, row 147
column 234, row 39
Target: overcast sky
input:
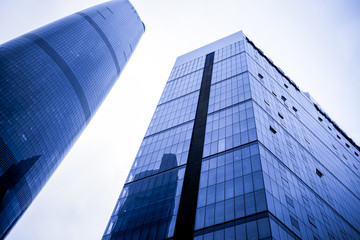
column 315, row 42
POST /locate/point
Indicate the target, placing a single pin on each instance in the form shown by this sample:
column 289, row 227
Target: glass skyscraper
column 52, row 81
column 236, row 151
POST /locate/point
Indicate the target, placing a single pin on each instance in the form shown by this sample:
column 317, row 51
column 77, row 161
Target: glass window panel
column 229, row 189
column 212, row 177
column 258, row 180
column 240, row 231
column 203, row 179
column 239, row 188
column 220, row 192
column 264, row 228
column 230, row 233
column 260, row 201
column 246, row 166
column 229, row 169
column 229, row 209
column 239, row 207
column 237, row 169
column 219, row 235
column 210, row 195
column 209, row 215
column 219, row 212
column 251, row 228
column 220, row 174
column 200, row 217
column 209, row 236
column 248, row 183
column 255, row 163
column 249, row 203
column 202, row 197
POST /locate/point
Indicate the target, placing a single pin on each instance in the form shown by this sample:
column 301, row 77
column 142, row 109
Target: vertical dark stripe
column 65, row 68
column 104, row 38
column 185, row 221
column 101, row 14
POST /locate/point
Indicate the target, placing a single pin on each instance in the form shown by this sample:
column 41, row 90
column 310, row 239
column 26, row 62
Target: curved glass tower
column 52, row 81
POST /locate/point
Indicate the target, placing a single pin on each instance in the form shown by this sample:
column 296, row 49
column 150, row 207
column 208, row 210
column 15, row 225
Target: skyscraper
column 236, row 151
column 52, row 81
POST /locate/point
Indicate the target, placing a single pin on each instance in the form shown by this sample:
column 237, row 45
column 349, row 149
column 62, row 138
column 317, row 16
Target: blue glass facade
column 52, row 81
column 272, row 164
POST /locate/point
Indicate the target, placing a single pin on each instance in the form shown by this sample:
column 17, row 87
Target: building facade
column 236, row 151
column 52, row 81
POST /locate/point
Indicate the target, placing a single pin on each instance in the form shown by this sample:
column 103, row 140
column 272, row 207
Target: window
column 320, row 174
column 273, row 130
column 274, row 94
column 347, row 145
column 344, row 157
column 307, row 141
column 320, row 119
column 329, row 128
column 266, row 102
column 260, row 76
column 286, row 85
column 283, row 98
column 311, row 221
column 338, row 137
column 281, row 116
column 355, row 167
column 356, row 154
column 289, row 201
column 294, row 222
column 334, row 147
column 295, row 109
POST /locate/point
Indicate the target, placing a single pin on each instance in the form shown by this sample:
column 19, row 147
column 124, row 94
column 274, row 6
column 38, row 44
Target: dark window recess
column 331, row 236
column 320, row 119
column 281, row 116
column 320, row 174
column 311, row 221
column 273, row 130
column 344, row 157
column 294, row 222
column 344, row 235
column 356, row 154
column 274, row 94
column 295, row 110
column 101, row 14
column 289, row 201
column 266, row 103
column 329, row 128
column 110, row 10
column 347, row 145
column 338, row 137
column 286, row 85
column 260, row 76
column 355, row 166
column 283, row 98
column 334, row 147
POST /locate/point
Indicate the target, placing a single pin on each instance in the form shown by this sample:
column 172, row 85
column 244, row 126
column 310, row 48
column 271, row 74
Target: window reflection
column 148, row 204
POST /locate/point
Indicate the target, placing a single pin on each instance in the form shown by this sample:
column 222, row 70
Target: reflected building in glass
column 236, row 151
column 52, row 81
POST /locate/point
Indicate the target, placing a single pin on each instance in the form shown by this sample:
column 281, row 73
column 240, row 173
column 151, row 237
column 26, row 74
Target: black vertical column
column 185, row 221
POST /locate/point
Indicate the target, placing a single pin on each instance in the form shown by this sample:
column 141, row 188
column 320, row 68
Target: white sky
column 315, row 42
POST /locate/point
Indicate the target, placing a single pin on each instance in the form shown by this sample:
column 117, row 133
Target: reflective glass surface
column 52, row 81
column 272, row 163
column 148, row 204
